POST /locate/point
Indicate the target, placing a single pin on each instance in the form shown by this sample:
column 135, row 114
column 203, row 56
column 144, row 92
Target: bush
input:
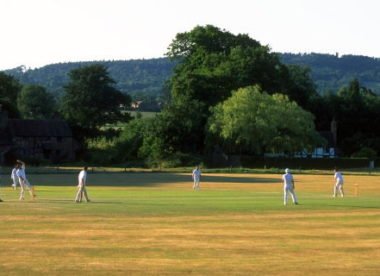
column 177, row 159
column 118, row 149
column 101, row 151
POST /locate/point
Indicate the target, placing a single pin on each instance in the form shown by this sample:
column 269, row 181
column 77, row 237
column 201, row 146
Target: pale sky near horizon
column 39, row 32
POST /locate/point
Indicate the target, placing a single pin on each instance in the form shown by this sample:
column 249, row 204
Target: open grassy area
column 154, row 224
column 143, row 114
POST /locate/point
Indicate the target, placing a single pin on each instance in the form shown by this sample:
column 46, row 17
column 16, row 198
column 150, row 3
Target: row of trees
column 230, row 91
column 226, row 90
column 357, row 112
column 90, row 101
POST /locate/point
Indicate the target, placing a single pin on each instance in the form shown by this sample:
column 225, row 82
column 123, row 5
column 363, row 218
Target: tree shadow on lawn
column 353, row 206
column 111, row 202
column 144, row 179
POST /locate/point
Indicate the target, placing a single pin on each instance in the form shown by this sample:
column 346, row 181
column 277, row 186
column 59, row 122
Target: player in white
column 24, row 183
column 196, row 178
column 289, row 187
column 82, row 177
column 14, row 177
column 338, row 177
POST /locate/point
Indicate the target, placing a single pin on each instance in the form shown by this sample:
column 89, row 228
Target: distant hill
column 331, row 72
column 135, row 77
column 147, row 77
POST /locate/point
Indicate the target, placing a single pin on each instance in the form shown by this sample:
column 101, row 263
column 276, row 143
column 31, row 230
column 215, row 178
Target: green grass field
column 155, row 224
column 144, row 114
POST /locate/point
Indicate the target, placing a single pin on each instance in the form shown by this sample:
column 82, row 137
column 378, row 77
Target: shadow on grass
column 143, row 179
column 72, row 201
column 353, row 206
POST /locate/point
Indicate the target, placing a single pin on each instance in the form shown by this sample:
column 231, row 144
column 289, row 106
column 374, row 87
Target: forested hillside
column 331, row 72
column 145, row 78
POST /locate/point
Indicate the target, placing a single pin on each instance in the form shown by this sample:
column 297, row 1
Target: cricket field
column 155, row 224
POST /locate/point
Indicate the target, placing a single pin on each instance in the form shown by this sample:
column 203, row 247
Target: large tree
column 213, row 63
column 91, row 101
column 252, row 121
column 34, row 102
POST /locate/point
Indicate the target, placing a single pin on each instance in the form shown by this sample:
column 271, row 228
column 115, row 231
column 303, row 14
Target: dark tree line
column 90, row 101
column 356, row 110
column 211, row 65
column 331, row 72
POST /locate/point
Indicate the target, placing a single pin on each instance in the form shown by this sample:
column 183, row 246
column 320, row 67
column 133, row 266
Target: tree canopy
column 90, row 100
column 34, row 102
column 252, row 121
column 211, row 64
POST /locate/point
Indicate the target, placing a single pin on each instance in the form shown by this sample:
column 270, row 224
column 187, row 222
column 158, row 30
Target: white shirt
column 82, row 178
column 339, row 177
column 288, row 180
column 196, row 174
column 21, row 172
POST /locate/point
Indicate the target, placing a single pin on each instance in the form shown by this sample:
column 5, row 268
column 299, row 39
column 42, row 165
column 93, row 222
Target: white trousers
column 196, row 184
column 338, row 187
column 81, row 192
column 24, row 184
column 289, row 190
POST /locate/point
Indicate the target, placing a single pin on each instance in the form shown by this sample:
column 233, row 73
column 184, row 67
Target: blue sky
column 39, row 32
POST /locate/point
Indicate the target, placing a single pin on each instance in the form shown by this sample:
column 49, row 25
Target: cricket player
column 289, row 187
column 14, row 177
column 196, row 178
column 338, row 177
column 23, row 181
column 82, row 177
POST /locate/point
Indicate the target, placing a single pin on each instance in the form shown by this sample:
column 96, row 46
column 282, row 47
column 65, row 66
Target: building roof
column 39, row 128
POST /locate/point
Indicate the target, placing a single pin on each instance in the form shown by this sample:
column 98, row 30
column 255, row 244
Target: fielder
column 23, row 181
column 338, row 177
column 289, row 187
column 196, row 178
column 82, row 177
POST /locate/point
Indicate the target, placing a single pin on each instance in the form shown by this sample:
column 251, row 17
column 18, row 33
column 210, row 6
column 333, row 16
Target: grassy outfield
column 154, row 224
